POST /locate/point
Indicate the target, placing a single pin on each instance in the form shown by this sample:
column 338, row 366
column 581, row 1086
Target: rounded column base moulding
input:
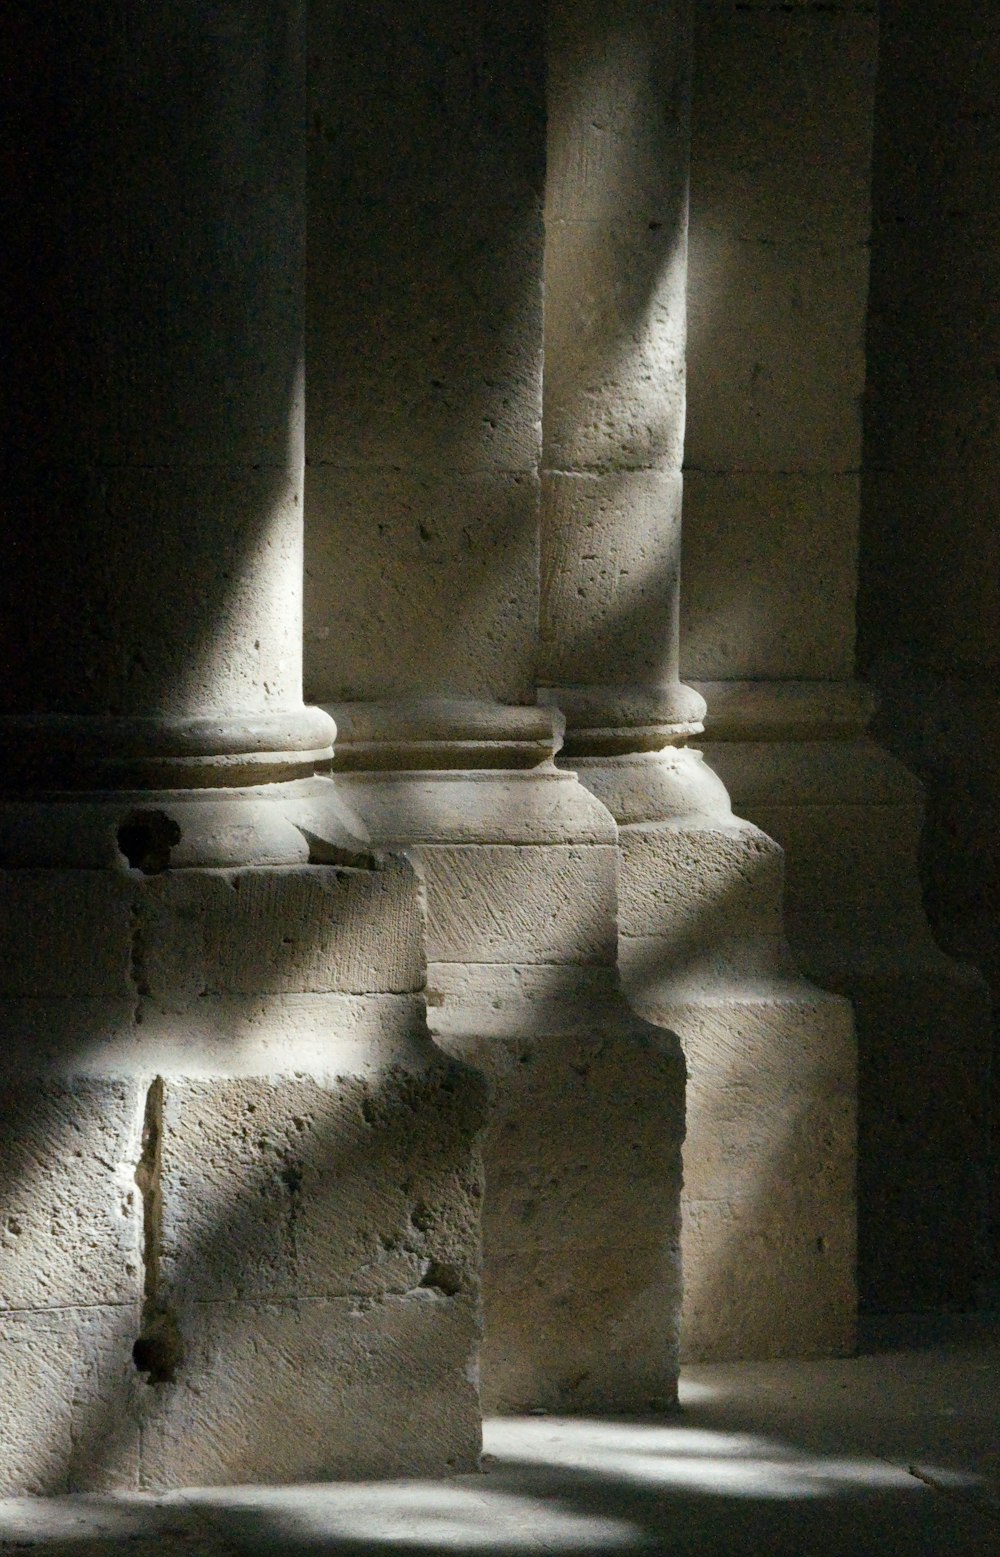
column 444, row 734
column 608, row 720
column 95, row 752
column 153, row 830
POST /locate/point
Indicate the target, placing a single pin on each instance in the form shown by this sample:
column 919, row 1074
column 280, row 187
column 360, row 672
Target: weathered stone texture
column 768, row 1206
column 421, row 579
column 776, row 356
column 41, row 915
column 614, row 394
column 69, row 1384
column 582, row 1152
column 781, row 140
column 742, row 532
column 273, row 1165
column 784, row 153
column 253, row 1180
column 320, row 928
column 514, row 904
column 769, row 1152
column 850, row 818
column 610, row 560
column 319, row 1390
column 581, row 1252
column 424, row 336
column 68, row 1226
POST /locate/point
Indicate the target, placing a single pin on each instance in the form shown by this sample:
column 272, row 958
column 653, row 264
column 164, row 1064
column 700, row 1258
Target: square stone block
column 776, row 360
column 753, row 1138
column 420, row 585
column 757, row 1285
column 317, row 928
column 581, row 1281
column 785, row 541
column 617, row 88
column 519, row 903
column 610, row 562
column 293, row 1188
column 70, row 1391
column 695, row 887
column 614, row 343
column 582, row 1327
column 312, row 1391
column 782, row 122
column 70, row 1214
column 770, row 1157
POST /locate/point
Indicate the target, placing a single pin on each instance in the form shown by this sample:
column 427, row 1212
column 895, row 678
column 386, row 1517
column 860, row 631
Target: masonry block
column 742, row 531
column 443, row 577
column 614, row 329
column 239, row 1210
column 511, row 903
column 775, row 355
column 309, row 1391
column 320, row 928
column 581, row 1275
column 781, row 138
column 768, row 1203
column 70, row 1396
column 693, row 886
column 68, row 1223
column 610, row 563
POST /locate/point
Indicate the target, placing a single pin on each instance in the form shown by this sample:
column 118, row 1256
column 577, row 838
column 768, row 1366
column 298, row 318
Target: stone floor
column 895, row 1451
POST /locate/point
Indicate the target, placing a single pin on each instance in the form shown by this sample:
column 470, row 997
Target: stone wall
column 929, row 609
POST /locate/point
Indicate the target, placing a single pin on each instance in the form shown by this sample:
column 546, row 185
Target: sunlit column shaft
column 613, row 426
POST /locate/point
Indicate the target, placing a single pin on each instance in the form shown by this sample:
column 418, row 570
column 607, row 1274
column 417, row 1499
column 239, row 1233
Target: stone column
column 768, row 1238
column 781, row 221
column 210, row 991
column 425, row 330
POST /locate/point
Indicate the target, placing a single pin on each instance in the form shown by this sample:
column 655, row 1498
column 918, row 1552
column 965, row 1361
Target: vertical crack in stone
column 157, row 1351
column 137, row 963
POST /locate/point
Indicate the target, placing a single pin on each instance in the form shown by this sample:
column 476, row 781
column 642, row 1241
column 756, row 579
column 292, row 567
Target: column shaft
column 767, row 1240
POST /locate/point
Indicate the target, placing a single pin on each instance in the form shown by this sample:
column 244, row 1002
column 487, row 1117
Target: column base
column 798, row 760
column 303, row 821
column 581, row 1285
column 768, row 1243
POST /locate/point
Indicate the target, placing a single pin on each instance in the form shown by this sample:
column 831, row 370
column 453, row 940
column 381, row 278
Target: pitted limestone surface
column 581, row 1272
column 245, row 1070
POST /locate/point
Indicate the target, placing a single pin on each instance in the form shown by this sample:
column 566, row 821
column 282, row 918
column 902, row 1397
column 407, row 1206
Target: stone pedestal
column 240, row 1190
column 798, row 759
column 236, row 1065
column 425, row 323
column 581, row 1277
column 768, row 1205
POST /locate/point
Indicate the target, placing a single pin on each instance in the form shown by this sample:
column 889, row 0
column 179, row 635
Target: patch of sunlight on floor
column 690, row 1459
column 424, row 1514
